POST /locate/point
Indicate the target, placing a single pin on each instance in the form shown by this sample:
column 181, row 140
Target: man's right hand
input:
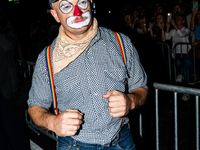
column 67, row 123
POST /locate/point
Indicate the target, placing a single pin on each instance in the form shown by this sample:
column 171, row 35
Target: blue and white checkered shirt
column 82, row 84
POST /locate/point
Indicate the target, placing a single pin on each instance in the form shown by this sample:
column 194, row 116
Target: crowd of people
column 169, row 23
column 145, row 24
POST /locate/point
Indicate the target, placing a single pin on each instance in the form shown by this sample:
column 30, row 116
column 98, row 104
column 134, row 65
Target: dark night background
column 23, row 10
column 26, row 15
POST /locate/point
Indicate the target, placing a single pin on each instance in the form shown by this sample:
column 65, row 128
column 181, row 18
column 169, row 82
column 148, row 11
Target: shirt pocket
column 115, row 79
column 69, row 93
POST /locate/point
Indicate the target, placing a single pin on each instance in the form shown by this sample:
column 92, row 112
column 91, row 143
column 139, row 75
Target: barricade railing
column 181, row 44
column 171, row 56
column 176, row 90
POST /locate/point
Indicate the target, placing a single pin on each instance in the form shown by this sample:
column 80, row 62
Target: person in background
column 89, row 77
column 159, row 10
column 177, row 10
column 195, row 28
column 129, row 24
column 12, row 121
column 128, row 18
column 189, row 15
column 188, row 19
column 182, row 60
column 142, row 28
column 157, row 29
column 135, row 23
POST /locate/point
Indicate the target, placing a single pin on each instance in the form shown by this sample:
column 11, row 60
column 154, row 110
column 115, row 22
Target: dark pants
column 185, row 63
column 12, row 127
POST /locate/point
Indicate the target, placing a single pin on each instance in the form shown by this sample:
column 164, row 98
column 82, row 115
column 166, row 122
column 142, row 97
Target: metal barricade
column 176, row 90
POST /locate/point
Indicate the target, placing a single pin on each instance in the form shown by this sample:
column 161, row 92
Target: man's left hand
column 119, row 104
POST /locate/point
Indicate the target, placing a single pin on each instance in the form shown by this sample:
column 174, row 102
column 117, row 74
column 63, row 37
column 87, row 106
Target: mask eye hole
column 83, row 4
column 66, row 7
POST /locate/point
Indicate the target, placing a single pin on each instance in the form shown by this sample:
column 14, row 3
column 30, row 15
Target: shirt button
column 102, row 132
column 95, row 94
column 86, row 53
column 100, row 115
column 118, row 78
column 90, row 73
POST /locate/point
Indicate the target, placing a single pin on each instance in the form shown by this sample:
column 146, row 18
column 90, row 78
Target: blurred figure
column 12, row 121
column 182, row 60
column 135, row 13
column 159, row 10
column 195, row 28
column 135, row 19
column 189, row 16
column 142, row 28
column 140, row 10
column 157, row 28
column 178, row 10
column 129, row 21
column 188, row 20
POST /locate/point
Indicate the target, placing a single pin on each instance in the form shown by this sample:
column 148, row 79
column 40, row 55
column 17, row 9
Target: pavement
column 186, row 126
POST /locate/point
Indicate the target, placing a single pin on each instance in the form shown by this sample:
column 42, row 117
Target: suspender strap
column 123, row 51
column 122, row 47
column 51, row 81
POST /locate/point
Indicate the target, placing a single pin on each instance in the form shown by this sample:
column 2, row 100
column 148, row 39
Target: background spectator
column 182, row 60
column 177, row 10
column 157, row 28
column 195, row 27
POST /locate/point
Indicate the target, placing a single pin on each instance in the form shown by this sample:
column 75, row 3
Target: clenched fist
column 119, row 104
column 67, row 123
